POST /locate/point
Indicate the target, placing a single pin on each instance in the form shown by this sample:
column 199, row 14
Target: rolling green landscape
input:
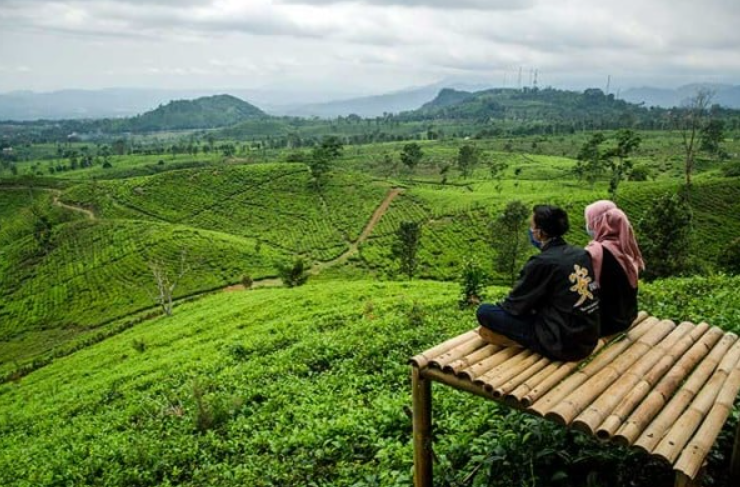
column 253, row 378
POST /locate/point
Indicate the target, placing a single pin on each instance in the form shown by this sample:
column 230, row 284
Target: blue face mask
column 533, row 240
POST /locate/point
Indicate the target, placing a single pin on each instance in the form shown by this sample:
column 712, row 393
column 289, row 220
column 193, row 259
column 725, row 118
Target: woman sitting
column 617, row 262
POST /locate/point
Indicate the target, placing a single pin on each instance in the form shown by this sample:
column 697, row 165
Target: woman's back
column 618, row 298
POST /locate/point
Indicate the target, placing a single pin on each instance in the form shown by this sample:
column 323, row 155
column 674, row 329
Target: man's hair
column 551, row 219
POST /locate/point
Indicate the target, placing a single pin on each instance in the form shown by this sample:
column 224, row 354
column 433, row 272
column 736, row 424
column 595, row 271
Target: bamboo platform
column 664, row 388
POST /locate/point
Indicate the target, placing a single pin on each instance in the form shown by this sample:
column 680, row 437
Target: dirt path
column 352, row 250
column 55, row 201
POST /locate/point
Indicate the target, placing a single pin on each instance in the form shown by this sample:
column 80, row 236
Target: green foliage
column 472, row 281
column 411, row 155
column 729, row 260
column 591, row 159
column 294, row 274
column 711, row 136
column 246, row 281
column 468, row 157
column 618, row 158
column 666, row 235
column 509, row 238
column 406, row 246
column 321, row 158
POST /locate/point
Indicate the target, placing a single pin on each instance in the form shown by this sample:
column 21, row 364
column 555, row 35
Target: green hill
column 201, row 113
column 305, row 386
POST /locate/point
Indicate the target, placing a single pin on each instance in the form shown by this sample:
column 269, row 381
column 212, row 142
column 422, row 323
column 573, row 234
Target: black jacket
column 557, row 286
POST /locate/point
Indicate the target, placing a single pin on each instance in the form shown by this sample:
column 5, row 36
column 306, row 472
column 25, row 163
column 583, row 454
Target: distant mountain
column 531, row 106
column 206, row 112
column 376, row 105
column 725, row 95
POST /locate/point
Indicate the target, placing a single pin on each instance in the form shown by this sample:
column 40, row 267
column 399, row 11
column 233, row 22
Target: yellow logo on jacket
column 581, row 282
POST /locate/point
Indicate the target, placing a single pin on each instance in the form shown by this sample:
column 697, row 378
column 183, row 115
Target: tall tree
column 665, row 236
column 408, row 237
column 411, row 155
column 712, row 135
column 691, row 121
column 468, row 157
column 590, row 165
column 322, row 156
column 509, row 238
column 618, row 158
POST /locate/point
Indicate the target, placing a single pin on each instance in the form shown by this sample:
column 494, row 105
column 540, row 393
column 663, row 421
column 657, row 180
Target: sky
column 356, row 47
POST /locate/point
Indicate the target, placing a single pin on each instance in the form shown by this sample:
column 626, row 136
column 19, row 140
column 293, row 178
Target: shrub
column 246, row 281
column 665, row 232
column 293, row 275
column 472, row 281
column 139, row 345
column 730, row 257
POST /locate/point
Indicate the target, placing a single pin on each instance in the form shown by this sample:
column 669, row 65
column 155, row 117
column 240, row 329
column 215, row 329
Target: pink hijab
column 612, row 230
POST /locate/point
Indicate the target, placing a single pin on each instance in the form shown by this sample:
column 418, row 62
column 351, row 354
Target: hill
column 305, row 386
column 206, row 112
column 531, row 105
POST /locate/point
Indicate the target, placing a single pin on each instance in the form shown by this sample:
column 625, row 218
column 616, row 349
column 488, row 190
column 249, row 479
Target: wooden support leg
column 422, row 410
column 735, row 461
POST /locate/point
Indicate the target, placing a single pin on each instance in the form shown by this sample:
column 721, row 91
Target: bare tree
column 691, row 121
column 166, row 282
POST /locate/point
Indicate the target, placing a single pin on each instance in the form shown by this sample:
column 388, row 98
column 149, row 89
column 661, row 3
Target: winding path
column 342, row 258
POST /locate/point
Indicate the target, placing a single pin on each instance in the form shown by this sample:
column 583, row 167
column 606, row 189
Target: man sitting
column 553, row 308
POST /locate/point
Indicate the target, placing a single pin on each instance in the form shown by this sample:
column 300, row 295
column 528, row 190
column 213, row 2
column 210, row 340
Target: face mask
column 590, row 232
column 533, row 240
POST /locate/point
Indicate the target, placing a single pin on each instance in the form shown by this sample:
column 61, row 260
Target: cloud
column 371, row 43
column 437, row 4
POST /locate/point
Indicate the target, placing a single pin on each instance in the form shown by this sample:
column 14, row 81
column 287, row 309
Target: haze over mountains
column 128, row 102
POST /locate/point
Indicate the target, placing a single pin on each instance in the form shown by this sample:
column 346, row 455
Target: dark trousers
column 517, row 328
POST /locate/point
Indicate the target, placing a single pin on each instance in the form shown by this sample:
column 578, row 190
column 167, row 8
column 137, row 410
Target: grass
column 289, row 387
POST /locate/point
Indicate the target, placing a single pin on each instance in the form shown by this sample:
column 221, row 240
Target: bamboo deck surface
column 662, row 387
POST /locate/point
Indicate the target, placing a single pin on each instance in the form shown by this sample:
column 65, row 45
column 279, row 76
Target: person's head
column 548, row 222
column 595, row 212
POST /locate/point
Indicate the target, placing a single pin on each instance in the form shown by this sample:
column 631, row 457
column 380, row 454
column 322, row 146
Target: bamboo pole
column 518, row 394
column 591, row 417
column 494, row 382
column 546, row 391
column 569, row 407
column 422, row 427
column 504, row 367
column 515, row 381
column 641, row 417
column 457, row 352
column 422, row 360
column 455, row 382
column 696, row 451
column 487, row 364
column 681, row 400
column 679, row 434
column 643, row 387
column 468, row 360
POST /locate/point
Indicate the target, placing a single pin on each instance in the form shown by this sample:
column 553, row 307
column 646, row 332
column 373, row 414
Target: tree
column 665, row 236
column 408, row 237
column 166, row 281
column 712, row 135
column 411, row 155
column 322, row 156
column 590, row 165
column 472, row 281
column 618, row 158
column 509, row 238
column 691, row 121
column 293, row 275
column 467, row 158
column 730, row 257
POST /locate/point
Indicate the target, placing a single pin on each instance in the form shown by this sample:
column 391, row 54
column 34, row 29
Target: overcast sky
column 364, row 46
